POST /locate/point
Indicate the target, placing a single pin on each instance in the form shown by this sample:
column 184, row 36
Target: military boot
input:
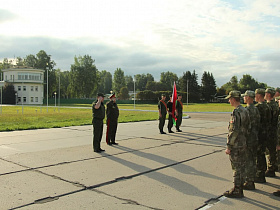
column 270, row 173
column 249, row 185
column 236, row 192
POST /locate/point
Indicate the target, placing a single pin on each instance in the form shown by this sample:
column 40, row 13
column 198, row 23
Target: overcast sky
column 223, row 37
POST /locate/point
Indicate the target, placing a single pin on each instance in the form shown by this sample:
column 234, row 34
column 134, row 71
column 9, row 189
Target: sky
column 226, row 38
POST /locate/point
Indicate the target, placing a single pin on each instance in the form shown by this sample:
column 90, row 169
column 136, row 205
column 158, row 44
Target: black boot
column 236, row 192
column 249, row 185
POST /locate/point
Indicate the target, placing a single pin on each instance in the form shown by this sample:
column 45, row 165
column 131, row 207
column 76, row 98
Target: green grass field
column 31, row 117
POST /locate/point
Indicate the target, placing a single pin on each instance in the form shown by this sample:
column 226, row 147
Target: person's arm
column 97, row 105
column 234, row 129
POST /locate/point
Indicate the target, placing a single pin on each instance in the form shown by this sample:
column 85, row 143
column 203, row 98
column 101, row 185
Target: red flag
column 174, row 99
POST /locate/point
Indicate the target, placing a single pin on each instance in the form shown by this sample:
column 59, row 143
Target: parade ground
column 57, row 169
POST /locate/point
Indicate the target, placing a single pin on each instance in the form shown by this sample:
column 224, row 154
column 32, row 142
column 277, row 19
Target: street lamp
column 134, row 90
column 187, row 92
column 16, row 98
column 54, row 99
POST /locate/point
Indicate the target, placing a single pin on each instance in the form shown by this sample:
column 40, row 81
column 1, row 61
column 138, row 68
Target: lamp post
column 59, row 92
column 54, row 99
column 16, row 98
column 187, row 92
column 134, row 90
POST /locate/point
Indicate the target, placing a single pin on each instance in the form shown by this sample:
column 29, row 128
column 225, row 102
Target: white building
column 28, row 83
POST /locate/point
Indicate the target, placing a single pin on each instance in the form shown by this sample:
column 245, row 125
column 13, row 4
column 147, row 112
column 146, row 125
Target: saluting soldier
column 236, row 143
column 98, row 115
column 272, row 134
column 252, row 140
column 179, row 112
column 162, row 110
column 170, row 118
column 265, row 117
column 112, row 113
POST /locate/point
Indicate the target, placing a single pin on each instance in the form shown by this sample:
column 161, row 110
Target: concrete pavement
column 57, row 169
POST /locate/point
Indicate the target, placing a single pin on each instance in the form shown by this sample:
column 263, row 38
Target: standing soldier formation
column 112, row 113
column 252, row 131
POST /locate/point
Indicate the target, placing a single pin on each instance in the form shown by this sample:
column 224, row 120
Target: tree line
column 84, row 80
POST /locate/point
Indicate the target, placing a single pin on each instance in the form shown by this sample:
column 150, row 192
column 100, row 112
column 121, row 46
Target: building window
column 19, row 88
column 19, row 99
column 36, row 88
column 32, row 88
column 31, row 99
column 24, row 88
column 24, row 99
column 36, row 99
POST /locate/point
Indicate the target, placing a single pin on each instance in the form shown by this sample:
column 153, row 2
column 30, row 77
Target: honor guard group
column 253, row 133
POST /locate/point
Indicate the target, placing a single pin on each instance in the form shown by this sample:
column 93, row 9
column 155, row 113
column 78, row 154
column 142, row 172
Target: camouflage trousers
column 272, row 153
column 237, row 158
column 251, row 161
column 261, row 160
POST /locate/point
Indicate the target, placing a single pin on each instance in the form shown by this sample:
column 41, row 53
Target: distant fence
column 89, row 101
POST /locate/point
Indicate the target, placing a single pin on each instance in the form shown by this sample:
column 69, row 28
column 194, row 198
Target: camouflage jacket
column 278, row 131
column 254, row 116
column 274, row 113
column 265, row 119
column 238, row 128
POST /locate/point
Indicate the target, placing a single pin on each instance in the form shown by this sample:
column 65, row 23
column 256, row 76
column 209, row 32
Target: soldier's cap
column 179, row 94
column 163, row 95
column 113, row 95
column 249, row 93
column 100, row 94
column 170, row 96
column 260, row 91
column 270, row 90
column 233, row 94
column 277, row 89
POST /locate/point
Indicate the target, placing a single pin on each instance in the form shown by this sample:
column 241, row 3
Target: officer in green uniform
column 179, row 112
column 252, row 140
column 170, row 118
column 162, row 110
column 112, row 113
column 98, row 114
column 265, row 117
column 236, row 143
column 272, row 133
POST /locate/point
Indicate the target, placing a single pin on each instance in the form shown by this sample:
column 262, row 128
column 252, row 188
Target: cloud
column 7, row 16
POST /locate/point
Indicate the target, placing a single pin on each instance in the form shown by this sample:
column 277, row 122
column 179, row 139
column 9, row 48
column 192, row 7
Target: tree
column 247, row 83
column 119, row 80
column 168, row 78
column 156, row 86
column 208, row 86
column 30, row 60
column 188, row 83
column 123, row 95
column 141, row 81
column 129, row 83
column 9, row 94
column 83, row 77
column 105, row 84
column 19, row 61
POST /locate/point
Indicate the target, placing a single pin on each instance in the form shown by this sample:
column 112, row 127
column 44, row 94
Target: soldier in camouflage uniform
column 277, row 93
column 272, row 133
column 252, row 140
column 236, row 143
column 265, row 115
column 277, row 193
